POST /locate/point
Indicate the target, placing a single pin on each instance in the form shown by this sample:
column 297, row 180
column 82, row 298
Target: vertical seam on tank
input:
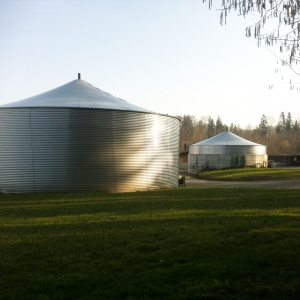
column 32, row 149
column 145, row 139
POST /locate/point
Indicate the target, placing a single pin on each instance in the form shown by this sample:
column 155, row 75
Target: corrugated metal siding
column 201, row 162
column 72, row 149
column 228, row 149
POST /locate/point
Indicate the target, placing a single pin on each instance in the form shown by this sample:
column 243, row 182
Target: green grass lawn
column 250, row 174
column 185, row 243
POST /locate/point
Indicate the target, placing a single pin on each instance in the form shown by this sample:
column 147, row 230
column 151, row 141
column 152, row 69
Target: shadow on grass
column 191, row 244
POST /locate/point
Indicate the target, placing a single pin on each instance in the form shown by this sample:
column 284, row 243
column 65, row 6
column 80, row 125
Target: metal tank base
column 202, row 162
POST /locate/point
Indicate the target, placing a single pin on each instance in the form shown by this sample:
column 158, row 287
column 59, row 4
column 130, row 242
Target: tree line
column 282, row 137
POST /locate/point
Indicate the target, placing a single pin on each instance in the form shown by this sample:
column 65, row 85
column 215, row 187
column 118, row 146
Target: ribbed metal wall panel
column 228, row 149
column 78, row 149
column 201, row 162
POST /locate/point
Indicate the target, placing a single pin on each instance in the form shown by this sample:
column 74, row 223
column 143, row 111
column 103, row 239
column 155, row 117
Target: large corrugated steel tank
column 226, row 150
column 79, row 138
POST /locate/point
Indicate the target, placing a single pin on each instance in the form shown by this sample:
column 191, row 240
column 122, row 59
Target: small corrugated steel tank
column 79, row 138
column 226, row 150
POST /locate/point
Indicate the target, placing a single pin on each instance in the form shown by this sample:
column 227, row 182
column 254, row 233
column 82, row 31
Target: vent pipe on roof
column 79, row 76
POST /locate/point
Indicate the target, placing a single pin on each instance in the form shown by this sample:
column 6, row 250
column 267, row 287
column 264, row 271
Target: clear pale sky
column 169, row 56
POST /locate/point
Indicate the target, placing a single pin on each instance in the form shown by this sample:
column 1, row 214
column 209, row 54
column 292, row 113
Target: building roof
column 77, row 94
column 226, row 138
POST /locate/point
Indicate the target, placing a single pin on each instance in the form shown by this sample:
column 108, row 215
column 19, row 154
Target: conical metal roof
column 226, row 138
column 77, row 94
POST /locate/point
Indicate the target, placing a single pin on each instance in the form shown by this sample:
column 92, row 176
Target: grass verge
column 169, row 244
column 250, row 174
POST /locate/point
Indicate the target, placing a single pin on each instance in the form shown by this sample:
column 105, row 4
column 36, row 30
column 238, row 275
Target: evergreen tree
column 211, row 127
column 289, row 122
column 296, row 128
column 219, row 125
column 263, row 126
column 281, row 123
column 282, row 119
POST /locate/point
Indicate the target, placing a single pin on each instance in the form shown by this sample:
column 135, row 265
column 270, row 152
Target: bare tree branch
column 286, row 33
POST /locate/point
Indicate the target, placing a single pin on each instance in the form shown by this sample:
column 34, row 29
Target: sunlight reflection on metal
column 155, row 131
column 68, row 149
column 79, row 138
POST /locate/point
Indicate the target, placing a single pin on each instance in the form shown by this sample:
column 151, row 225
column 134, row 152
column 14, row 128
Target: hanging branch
column 287, row 12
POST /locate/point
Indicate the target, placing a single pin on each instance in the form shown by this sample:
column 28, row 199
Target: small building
column 286, row 159
column 226, row 150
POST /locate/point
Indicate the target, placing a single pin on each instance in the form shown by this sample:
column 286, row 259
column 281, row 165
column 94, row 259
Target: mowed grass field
column 184, row 243
column 250, row 174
